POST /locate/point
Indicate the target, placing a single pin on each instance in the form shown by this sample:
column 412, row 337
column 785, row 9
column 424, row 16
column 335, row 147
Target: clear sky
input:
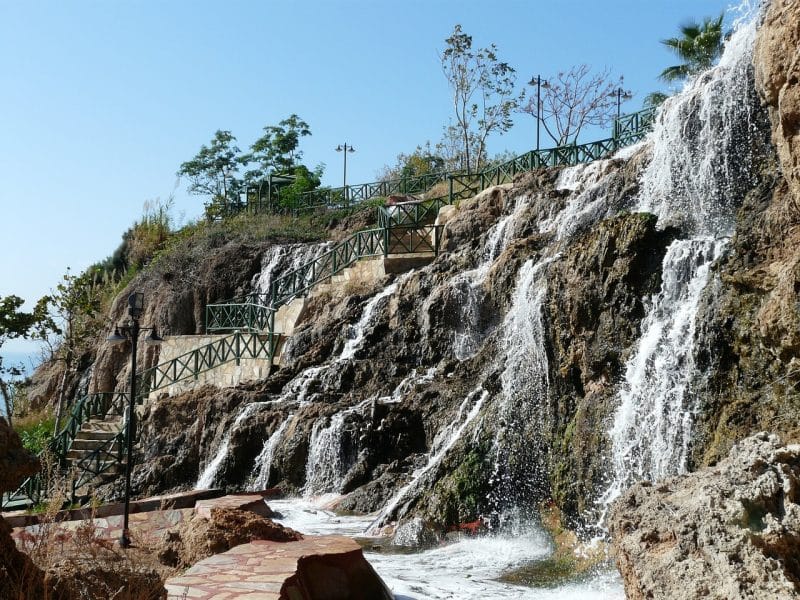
column 102, row 100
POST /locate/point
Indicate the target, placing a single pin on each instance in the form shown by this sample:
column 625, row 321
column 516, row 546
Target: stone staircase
column 96, row 437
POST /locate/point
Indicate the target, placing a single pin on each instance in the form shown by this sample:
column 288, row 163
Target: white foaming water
column 467, row 569
column 327, row 463
column 467, row 334
column 354, row 343
column 653, row 422
column 263, row 464
column 699, row 172
column 589, row 200
column 206, row 478
column 283, row 258
column 445, row 439
column 701, row 151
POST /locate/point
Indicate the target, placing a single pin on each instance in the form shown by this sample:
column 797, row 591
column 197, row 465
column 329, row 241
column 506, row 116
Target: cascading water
column 445, row 439
column 652, row 425
column 524, row 379
column 209, row 474
column 283, row 258
column 263, row 464
column 701, row 167
column 468, row 285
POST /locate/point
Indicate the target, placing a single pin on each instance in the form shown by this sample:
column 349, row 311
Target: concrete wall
column 226, row 375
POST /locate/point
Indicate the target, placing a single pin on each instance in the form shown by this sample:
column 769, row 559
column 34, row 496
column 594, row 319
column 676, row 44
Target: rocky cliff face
column 750, row 323
column 731, row 531
column 497, row 376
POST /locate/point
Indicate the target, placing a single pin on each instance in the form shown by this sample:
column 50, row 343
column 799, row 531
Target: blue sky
column 102, row 100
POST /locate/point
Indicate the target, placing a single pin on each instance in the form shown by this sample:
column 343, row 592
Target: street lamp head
column 351, row 149
column 153, row 339
column 116, row 338
column 339, row 148
column 545, row 84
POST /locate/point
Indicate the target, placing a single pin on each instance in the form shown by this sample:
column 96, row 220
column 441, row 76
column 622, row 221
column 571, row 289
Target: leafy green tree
column 69, row 323
column 305, row 180
column 214, row 171
column 422, row 161
column 14, row 323
column 698, row 47
column 482, row 88
column 277, row 150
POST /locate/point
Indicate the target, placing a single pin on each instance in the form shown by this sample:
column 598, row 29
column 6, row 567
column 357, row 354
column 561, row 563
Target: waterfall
column 329, row 456
column 524, row 378
column 283, row 258
column 469, row 285
column 359, row 330
column 702, row 144
column 209, row 474
column 263, row 464
column 445, row 439
column 652, row 426
column 702, row 166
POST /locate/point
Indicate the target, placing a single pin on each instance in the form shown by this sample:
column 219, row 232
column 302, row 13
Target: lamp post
column 345, row 148
column 539, row 83
column 130, row 331
column 621, row 95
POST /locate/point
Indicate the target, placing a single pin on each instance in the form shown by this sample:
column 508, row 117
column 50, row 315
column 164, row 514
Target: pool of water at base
column 466, row 569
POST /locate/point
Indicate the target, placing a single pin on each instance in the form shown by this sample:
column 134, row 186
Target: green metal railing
column 190, row 365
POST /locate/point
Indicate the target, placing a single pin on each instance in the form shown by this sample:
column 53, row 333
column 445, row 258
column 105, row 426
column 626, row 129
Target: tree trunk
column 7, row 400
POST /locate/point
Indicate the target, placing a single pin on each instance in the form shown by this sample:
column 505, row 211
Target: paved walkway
column 254, row 571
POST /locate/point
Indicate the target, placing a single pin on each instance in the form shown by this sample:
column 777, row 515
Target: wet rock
column 224, row 528
column 730, row 532
column 415, row 533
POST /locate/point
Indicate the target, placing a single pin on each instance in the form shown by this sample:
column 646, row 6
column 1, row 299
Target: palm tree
column 698, row 47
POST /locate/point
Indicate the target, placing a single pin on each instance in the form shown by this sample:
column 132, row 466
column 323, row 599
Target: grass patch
column 35, row 430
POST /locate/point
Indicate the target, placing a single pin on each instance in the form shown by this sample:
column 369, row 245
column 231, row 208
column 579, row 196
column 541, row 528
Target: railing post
column 450, row 190
column 236, row 348
column 386, row 242
column 196, row 365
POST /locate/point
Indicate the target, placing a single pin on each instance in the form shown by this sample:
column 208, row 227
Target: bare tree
column 574, row 99
column 482, row 88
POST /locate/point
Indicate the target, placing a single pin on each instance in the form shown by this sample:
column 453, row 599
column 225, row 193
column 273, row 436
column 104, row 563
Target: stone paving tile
column 254, row 571
column 250, row 502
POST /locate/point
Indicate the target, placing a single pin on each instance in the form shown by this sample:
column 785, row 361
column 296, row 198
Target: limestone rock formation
column 777, row 62
column 201, row 537
column 729, row 532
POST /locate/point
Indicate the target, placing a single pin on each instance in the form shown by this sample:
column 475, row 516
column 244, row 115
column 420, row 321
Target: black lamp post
column 539, row 83
column 345, row 148
column 130, row 331
column 622, row 95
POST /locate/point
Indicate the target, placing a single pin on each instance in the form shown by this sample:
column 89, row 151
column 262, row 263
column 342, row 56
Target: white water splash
column 263, row 464
column 206, row 479
column 465, row 569
column 445, row 439
column 702, row 159
column 280, row 259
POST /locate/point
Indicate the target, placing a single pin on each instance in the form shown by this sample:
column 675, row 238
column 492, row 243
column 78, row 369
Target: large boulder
column 18, row 575
column 730, row 532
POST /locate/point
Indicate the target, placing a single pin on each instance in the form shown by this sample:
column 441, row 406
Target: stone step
column 95, row 434
column 91, row 444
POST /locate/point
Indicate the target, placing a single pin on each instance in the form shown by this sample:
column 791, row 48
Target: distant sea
column 24, row 360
